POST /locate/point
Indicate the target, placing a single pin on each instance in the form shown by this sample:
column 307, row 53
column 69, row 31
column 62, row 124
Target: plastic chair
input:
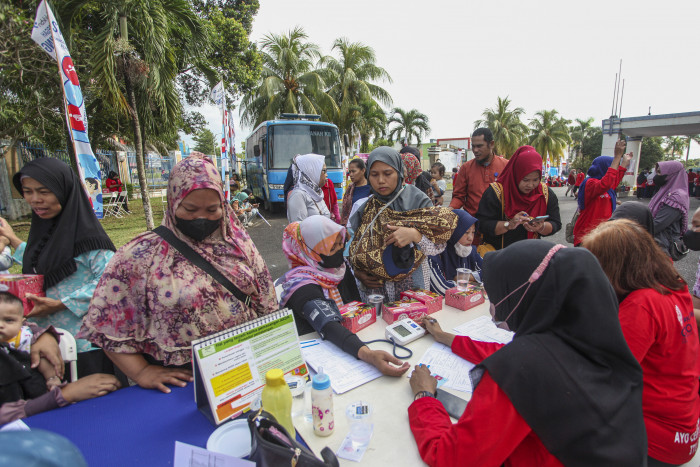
column 109, row 203
column 69, row 352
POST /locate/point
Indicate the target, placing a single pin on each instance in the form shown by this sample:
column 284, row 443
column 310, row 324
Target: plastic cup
column 297, row 386
column 376, row 300
column 359, row 415
column 462, row 279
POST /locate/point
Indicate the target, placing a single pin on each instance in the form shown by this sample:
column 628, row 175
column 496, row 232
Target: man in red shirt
column 579, row 178
column 477, row 174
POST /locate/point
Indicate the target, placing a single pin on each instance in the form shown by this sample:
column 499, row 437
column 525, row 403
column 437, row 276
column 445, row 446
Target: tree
column 508, row 131
column 409, row 124
column 550, row 135
column 674, row 145
column 578, row 132
column 370, row 120
column 350, row 83
column 136, row 70
column 289, row 81
column 651, row 152
column 691, row 138
column 591, row 148
column 205, row 142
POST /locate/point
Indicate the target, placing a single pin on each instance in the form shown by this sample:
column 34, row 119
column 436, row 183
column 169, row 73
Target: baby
column 437, row 173
column 19, row 337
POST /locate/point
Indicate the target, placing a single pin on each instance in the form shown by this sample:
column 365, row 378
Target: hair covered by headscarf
column 597, row 170
column 568, row 356
column 303, row 244
column 307, row 174
column 636, row 211
column 412, row 165
column 525, row 161
column 674, row 192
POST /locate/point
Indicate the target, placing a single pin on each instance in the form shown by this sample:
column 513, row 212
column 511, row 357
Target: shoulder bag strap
column 498, row 189
column 197, row 259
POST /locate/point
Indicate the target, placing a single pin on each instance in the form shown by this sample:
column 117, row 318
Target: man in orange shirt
column 475, row 175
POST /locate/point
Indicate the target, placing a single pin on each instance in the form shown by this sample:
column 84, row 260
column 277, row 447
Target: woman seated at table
column 459, row 253
column 67, row 245
column 509, row 207
column 312, row 288
column 566, row 391
column 152, row 302
column 388, row 259
column 656, row 314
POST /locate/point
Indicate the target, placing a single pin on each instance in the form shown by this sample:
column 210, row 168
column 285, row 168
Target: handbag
column 569, row 229
column 272, row 446
column 197, row 259
column 678, row 249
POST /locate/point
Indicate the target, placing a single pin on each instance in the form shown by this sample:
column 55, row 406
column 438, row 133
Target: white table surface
column 392, row 441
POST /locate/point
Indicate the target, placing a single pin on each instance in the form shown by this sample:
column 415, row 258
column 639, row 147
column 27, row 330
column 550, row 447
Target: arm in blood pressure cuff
column 318, row 312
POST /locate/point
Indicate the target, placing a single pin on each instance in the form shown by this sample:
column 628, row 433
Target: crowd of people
column 603, row 367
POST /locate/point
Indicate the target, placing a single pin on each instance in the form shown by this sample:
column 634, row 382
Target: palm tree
column 370, row 120
column 578, row 133
column 350, row 80
column 136, row 71
column 410, row 124
column 290, row 83
column 550, row 135
column 674, row 145
column 508, row 131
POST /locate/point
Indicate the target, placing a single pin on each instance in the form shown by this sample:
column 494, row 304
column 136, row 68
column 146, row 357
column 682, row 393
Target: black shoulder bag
column 197, row 259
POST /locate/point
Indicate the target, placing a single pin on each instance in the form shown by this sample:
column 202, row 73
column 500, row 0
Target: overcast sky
column 452, row 59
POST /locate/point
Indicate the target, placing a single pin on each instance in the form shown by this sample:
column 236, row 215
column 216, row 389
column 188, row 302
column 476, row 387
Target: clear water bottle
column 322, row 404
column 277, row 399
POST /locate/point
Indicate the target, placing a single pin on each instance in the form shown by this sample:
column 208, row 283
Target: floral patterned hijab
column 152, row 300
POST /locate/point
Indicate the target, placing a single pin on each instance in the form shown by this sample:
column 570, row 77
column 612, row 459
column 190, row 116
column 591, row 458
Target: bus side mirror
column 346, row 140
column 256, row 150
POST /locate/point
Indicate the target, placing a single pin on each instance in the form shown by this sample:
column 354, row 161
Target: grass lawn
column 120, row 230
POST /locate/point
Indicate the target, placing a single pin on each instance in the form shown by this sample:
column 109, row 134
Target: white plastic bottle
column 322, row 404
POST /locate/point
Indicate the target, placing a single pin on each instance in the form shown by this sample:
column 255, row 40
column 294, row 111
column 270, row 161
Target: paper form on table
column 345, row 371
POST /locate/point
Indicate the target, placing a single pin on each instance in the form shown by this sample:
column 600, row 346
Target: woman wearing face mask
column 670, row 206
column 312, row 288
column 656, row 314
column 509, row 208
column 66, row 244
column 459, row 253
column 566, row 391
column 152, row 302
column 306, row 199
column 596, row 196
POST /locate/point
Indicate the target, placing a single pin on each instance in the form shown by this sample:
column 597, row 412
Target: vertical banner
column 218, row 95
column 47, row 34
column 231, row 134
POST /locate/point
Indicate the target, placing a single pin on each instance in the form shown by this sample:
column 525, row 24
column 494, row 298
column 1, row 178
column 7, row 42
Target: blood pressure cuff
column 319, row 312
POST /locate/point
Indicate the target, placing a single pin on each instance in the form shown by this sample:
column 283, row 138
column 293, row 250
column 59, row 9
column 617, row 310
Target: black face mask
column 692, row 240
column 660, row 180
column 333, row 261
column 197, row 229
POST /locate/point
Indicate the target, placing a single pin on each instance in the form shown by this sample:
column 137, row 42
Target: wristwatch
column 420, row 394
column 506, row 224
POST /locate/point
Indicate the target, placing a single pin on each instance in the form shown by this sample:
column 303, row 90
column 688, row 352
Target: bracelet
column 420, row 394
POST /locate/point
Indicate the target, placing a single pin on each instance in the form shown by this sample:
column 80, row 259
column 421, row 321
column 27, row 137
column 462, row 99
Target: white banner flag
column 217, row 94
column 47, row 34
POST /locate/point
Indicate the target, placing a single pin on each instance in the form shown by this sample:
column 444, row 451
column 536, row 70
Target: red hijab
column 525, row 161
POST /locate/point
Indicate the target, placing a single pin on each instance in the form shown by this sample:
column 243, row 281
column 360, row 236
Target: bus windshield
column 290, row 140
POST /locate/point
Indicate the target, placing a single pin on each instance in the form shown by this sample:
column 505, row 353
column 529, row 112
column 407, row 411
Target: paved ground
column 269, row 239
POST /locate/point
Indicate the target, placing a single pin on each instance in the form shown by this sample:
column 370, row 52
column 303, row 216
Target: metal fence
column 29, row 151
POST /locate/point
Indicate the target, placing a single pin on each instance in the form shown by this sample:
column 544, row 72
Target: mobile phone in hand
column 538, row 219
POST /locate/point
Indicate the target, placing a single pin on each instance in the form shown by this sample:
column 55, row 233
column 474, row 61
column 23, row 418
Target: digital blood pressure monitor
column 404, row 331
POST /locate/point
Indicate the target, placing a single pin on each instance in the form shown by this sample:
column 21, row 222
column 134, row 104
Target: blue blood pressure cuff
column 319, row 312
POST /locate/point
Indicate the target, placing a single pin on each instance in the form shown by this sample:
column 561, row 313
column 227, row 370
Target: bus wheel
column 268, row 205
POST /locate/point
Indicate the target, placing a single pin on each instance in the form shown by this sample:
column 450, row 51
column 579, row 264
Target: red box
column 430, row 299
column 22, row 284
column 358, row 315
column 464, row 300
column 406, row 308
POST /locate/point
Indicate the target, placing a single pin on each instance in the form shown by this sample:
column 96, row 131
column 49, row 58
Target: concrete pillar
column 634, row 145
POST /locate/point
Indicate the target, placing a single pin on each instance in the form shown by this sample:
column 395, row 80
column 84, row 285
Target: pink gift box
column 464, row 300
column 406, row 308
column 358, row 315
column 22, row 284
column 430, row 299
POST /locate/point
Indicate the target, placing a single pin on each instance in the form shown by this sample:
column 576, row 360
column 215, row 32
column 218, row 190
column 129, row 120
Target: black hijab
column 635, row 211
column 568, row 371
column 54, row 243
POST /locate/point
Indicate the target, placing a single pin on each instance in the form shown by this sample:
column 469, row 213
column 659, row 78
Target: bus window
column 289, row 140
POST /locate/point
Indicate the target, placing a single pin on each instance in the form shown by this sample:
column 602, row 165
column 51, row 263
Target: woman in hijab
column 637, row 212
column 596, row 195
column 67, row 245
column 357, row 190
column 656, row 314
column 510, row 207
column 152, row 302
column 566, row 391
column 312, row 288
column 388, row 227
column 306, row 199
column 670, row 206
column 414, row 174
column 459, row 253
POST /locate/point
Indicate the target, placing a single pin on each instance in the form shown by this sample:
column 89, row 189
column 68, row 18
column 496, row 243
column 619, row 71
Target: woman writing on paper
column 152, row 302
column 315, row 284
column 566, row 391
